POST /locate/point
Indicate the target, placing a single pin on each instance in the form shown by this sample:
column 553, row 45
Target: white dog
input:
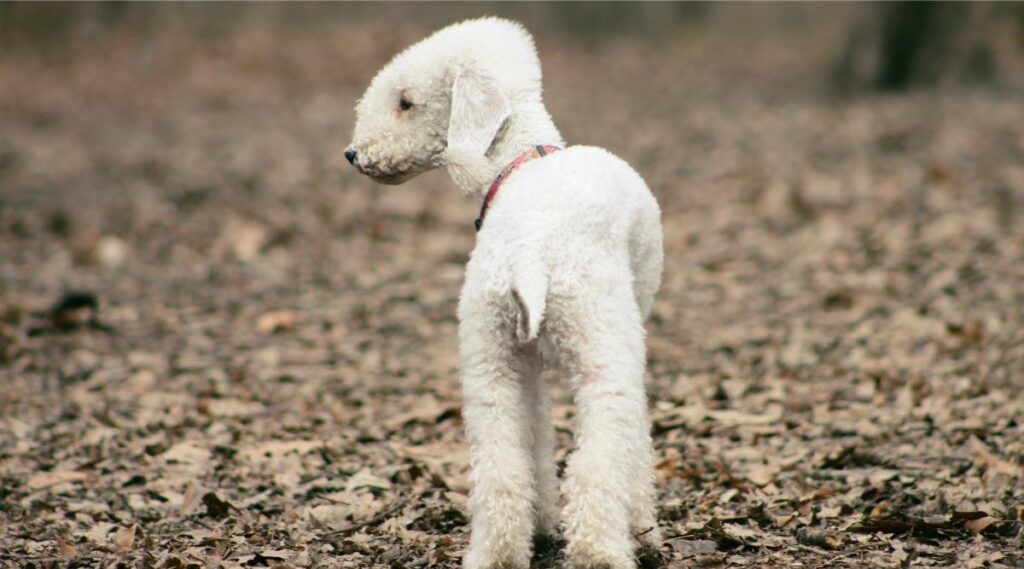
column 567, row 261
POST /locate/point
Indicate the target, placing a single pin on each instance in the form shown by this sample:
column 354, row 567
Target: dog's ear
column 479, row 109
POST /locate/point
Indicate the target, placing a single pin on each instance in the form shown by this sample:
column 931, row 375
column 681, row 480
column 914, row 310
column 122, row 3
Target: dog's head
column 443, row 100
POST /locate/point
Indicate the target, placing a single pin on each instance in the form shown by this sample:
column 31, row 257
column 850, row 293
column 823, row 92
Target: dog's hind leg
column 608, row 479
column 497, row 419
column 545, row 507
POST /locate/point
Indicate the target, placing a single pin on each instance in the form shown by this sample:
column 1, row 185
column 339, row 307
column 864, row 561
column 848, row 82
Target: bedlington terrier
column 568, row 258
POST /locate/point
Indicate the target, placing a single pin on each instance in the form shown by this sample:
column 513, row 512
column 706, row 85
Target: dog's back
column 576, row 224
column 582, row 192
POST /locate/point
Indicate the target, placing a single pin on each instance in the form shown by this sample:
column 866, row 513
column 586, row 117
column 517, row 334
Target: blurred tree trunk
column 899, row 45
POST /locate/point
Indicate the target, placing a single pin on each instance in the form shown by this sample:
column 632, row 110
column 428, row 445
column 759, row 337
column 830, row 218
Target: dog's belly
column 549, row 353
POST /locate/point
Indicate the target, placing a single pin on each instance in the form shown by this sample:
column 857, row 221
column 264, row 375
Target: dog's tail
column 529, row 293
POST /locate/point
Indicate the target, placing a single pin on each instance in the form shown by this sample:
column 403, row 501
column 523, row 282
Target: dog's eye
column 404, row 103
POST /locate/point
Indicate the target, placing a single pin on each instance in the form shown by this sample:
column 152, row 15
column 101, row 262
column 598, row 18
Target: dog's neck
column 529, row 125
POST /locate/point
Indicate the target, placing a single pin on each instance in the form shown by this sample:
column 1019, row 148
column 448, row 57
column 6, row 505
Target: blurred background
column 842, row 189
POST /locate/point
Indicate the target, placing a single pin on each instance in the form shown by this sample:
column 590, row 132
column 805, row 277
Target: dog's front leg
column 498, row 429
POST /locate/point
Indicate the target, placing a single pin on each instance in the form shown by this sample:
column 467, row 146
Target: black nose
column 350, row 155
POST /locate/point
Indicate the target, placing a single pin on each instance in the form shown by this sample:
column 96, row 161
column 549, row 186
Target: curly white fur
column 564, row 272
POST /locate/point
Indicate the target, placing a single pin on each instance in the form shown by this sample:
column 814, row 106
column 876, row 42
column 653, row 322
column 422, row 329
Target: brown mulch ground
column 269, row 379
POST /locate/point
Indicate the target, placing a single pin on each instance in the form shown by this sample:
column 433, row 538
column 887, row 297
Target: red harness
column 538, row 151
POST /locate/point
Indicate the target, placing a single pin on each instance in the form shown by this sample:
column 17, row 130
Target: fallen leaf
column 41, row 480
column 979, row 525
column 692, row 547
column 761, row 475
column 281, row 554
column 124, row 539
column 186, row 453
column 830, row 512
column 191, row 499
column 67, row 550
column 899, row 552
column 366, row 479
column 276, row 321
